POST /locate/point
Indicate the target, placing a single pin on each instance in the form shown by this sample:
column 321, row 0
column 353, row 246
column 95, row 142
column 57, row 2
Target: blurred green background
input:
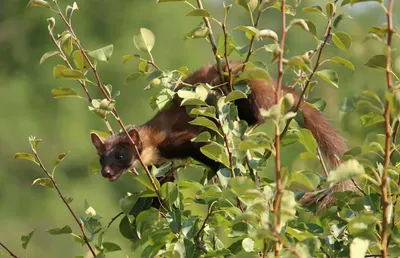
column 28, row 109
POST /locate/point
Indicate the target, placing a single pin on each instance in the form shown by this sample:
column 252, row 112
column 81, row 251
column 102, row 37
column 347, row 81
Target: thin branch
column 114, row 218
column 279, row 190
column 322, row 161
column 213, row 43
column 8, row 250
column 228, row 66
column 316, row 66
column 225, row 137
column 114, row 111
column 80, row 224
column 197, row 238
column 388, row 135
column 250, row 52
column 287, row 246
column 81, row 82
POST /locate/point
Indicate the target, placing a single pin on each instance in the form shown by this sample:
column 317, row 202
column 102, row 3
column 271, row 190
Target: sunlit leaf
column 199, row 13
column 102, row 54
column 329, row 76
column 64, row 93
column 341, row 40
column 60, row 231
column 43, row 182
column 348, row 169
column 48, row 55
column 378, row 61
column 145, row 40
column 216, row 152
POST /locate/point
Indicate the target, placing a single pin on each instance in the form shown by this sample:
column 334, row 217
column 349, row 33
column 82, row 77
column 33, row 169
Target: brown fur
column 168, row 135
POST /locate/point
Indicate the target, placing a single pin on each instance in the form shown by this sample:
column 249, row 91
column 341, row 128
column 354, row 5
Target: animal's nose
column 105, row 172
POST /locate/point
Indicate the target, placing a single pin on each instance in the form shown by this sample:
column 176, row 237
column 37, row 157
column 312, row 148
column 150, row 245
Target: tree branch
column 279, row 190
column 85, row 238
column 8, row 250
column 114, row 111
column 213, row 43
column 388, row 135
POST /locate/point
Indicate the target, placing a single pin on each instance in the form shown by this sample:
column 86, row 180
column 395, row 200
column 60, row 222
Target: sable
column 168, row 134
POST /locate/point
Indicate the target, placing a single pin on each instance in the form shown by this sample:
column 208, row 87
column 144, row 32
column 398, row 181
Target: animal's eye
column 119, row 156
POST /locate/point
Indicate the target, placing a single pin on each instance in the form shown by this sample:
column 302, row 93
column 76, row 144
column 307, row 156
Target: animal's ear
column 134, row 134
column 97, row 142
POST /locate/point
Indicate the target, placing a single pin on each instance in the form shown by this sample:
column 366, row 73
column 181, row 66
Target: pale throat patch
column 150, row 156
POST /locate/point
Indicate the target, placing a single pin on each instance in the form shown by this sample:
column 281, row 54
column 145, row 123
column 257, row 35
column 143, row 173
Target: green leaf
column 378, row 61
column 133, row 77
column 311, row 27
column 126, row 58
column 95, row 167
column 78, row 239
column 248, row 245
column 249, row 5
column 358, row 247
column 202, row 121
column 201, row 31
column 80, row 61
column 34, row 141
column 330, row 8
column 307, row 139
column 64, row 93
column 111, row 247
column 341, row 40
column 234, row 95
column 329, row 76
column 170, row 193
column 342, row 61
column 66, row 42
column 199, row 13
column 26, row 239
column 70, row 10
column 102, row 54
column 62, row 72
column 255, row 73
column 216, row 152
column 145, row 40
column 371, row 119
column 348, row 169
column 250, row 31
column 266, row 33
column 338, row 19
column 60, row 231
column 39, row 3
column 314, row 9
column 43, row 182
column 24, row 155
column 48, row 55
column 60, row 158
column 299, row 22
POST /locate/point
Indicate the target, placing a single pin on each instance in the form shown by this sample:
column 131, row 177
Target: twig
column 213, row 43
column 288, row 247
column 114, row 218
column 250, row 52
column 114, row 111
column 228, row 66
column 81, row 82
column 197, row 238
column 278, row 197
column 8, row 250
column 322, row 161
column 85, row 238
column 316, row 66
column 225, row 137
column 388, row 135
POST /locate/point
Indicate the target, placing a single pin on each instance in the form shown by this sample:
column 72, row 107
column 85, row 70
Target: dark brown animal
column 168, row 134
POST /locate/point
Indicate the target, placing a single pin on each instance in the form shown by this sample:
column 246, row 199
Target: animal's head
column 116, row 153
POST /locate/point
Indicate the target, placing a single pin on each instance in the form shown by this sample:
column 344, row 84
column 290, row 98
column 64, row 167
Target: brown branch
column 8, row 250
column 322, row 161
column 388, row 135
column 114, row 218
column 81, row 82
column 198, row 237
column 316, row 66
column 250, row 52
column 225, row 137
column 80, row 224
column 287, row 246
column 228, row 66
column 114, row 111
column 213, row 43
column 279, row 190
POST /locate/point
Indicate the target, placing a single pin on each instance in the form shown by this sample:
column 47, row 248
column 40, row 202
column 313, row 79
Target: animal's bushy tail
column 333, row 146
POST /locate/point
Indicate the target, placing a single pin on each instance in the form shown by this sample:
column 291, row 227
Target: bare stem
column 250, row 52
column 104, row 92
column 228, row 66
column 114, row 218
column 211, row 37
column 80, row 224
column 8, row 250
column 322, row 162
column 279, row 190
column 287, row 246
column 227, row 148
column 388, row 136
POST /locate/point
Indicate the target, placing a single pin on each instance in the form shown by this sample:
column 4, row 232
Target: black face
column 116, row 161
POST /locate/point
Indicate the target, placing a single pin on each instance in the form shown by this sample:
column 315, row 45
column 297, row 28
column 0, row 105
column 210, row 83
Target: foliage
column 238, row 214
